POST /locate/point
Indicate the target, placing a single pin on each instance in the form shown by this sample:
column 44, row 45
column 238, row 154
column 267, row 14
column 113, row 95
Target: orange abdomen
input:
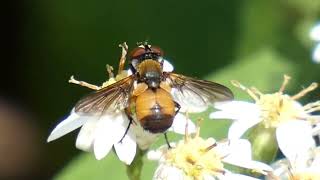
column 155, row 110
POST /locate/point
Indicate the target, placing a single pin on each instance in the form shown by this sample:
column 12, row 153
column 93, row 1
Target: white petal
column 85, row 137
column 295, row 139
column 239, row 150
column 208, row 177
column 72, row 122
column 154, row 155
column 234, row 105
column 316, row 54
column 255, row 165
column 238, row 128
column 179, row 124
column 126, row 150
column 315, row 33
column 236, row 110
column 233, row 176
column 166, row 172
column 240, row 155
column 108, row 132
column 167, row 66
column 316, row 159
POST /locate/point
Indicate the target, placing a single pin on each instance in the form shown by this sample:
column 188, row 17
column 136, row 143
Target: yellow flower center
column 278, row 107
column 196, row 157
column 305, row 176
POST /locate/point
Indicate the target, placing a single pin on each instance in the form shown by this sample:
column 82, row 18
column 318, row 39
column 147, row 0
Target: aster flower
column 304, row 162
column 99, row 134
column 273, row 111
column 315, row 36
column 198, row 158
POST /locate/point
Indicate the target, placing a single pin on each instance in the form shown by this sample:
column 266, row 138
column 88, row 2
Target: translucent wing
column 109, row 99
column 195, row 95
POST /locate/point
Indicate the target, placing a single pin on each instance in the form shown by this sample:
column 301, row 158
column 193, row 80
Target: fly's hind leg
column 165, row 134
column 167, row 141
column 177, row 106
column 131, row 121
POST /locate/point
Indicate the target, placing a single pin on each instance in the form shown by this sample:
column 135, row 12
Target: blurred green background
column 255, row 42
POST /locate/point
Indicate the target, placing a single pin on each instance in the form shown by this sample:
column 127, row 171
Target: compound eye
column 136, row 52
column 157, row 50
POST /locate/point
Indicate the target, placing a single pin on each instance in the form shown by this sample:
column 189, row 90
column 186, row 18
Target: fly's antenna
column 145, row 44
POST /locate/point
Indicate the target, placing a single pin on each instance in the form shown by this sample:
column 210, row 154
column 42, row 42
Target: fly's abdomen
column 155, row 110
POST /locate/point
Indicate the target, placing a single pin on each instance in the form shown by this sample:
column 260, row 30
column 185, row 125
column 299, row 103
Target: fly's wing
column 109, row 99
column 196, row 95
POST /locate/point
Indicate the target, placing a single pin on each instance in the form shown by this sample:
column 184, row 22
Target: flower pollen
column 279, row 107
column 196, row 157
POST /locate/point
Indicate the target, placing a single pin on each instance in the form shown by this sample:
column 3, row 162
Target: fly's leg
column 165, row 134
column 167, row 141
column 110, row 71
column 178, row 107
column 127, row 111
column 124, row 47
column 91, row 86
column 83, row 83
column 131, row 121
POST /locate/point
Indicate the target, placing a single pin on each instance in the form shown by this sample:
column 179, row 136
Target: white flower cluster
column 294, row 124
column 195, row 158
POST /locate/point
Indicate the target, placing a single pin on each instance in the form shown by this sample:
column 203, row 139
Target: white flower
column 197, row 158
column 316, row 54
column 315, row 33
column 277, row 110
column 315, row 36
column 303, row 163
column 100, row 133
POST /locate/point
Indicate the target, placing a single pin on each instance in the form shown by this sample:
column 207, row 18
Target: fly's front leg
column 110, row 71
column 84, row 84
column 124, row 47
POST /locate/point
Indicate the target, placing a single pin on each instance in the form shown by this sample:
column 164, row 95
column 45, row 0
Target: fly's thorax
column 155, row 110
column 150, row 72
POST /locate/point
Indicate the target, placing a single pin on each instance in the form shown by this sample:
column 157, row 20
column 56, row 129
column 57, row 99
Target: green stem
column 135, row 168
